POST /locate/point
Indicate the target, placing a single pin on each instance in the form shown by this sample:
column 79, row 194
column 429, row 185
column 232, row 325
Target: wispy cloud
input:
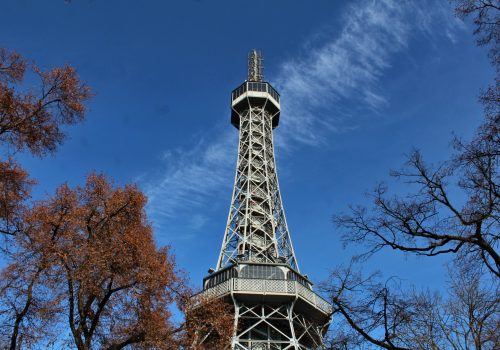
column 191, row 177
column 342, row 66
column 348, row 67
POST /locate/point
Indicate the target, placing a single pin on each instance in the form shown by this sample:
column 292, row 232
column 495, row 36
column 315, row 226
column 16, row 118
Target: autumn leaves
column 82, row 265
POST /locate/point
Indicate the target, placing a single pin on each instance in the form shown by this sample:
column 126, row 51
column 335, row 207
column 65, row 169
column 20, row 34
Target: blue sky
column 362, row 82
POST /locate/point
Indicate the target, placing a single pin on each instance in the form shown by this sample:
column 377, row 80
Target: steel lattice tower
column 275, row 306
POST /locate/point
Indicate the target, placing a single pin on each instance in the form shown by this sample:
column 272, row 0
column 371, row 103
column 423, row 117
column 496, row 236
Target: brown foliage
column 209, row 323
column 33, row 121
column 116, row 283
column 27, row 310
column 87, row 258
column 12, row 66
column 14, row 190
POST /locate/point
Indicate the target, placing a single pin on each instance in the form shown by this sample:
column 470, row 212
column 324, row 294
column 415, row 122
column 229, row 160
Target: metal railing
column 270, row 287
column 255, row 86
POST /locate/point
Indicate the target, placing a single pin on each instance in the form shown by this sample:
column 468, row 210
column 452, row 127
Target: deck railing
column 269, row 287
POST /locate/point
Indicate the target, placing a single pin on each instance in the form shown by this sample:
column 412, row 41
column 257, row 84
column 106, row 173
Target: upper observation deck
column 255, row 94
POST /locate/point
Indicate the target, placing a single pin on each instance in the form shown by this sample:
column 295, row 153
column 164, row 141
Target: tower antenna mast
column 255, row 68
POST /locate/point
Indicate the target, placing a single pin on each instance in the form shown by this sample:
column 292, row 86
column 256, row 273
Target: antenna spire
column 255, row 69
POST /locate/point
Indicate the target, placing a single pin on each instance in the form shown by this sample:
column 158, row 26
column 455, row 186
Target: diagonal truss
column 256, row 229
column 276, row 327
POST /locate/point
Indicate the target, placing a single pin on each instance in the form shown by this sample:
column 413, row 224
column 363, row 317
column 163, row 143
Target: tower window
column 262, row 272
column 221, row 277
column 293, row 276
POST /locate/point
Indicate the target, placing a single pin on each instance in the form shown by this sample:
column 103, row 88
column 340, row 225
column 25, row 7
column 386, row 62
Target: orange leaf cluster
column 33, row 120
column 87, row 256
column 94, row 245
column 15, row 188
column 209, row 323
column 84, row 259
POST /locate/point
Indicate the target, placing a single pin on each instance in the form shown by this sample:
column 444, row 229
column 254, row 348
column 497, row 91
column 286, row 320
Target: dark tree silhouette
column 430, row 221
column 368, row 313
column 453, row 210
column 486, row 21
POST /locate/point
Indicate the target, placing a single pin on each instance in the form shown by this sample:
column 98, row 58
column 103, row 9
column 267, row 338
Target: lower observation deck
column 272, row 291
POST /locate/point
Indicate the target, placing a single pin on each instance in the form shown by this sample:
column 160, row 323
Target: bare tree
column 452, row 209
column 370, row 314
column 365, row 311
column 486, row 21
column 429, row 221
column 434, row 220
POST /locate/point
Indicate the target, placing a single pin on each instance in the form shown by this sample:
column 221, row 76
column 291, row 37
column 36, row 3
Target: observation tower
column 274, row 304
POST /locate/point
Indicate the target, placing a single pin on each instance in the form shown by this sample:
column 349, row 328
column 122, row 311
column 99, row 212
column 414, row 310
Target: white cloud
column 348, row 67
column 192, row 177
column 345, row 66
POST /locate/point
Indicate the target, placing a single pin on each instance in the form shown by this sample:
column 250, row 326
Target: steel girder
column 256, row 229
column 274, row 327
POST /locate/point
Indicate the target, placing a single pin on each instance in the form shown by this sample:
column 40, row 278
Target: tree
column 429, row 221
column 454, row 211
column 27, row 311
column 15, row 188
column 209, row 323
column 366, row 308
column 369, row 313
column 32, row 121
column 88, row 259
column 83, row 260
column 486, row 21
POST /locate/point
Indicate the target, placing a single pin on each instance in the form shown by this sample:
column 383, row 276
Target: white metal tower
column 274, row 304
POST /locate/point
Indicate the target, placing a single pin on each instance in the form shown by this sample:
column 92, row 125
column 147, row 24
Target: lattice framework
column 273, row 310
column 274, row 327
column 256, row 229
